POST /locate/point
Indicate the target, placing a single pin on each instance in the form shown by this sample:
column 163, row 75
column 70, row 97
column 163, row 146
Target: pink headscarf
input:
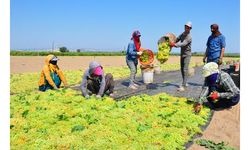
column 98, row 71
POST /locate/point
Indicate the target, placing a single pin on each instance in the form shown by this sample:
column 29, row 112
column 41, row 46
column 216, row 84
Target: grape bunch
column 163, row 51
column 144, row 57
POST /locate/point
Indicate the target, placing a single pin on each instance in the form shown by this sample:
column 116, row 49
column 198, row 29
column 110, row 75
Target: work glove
column 197, row 107
column 139, row 53
column 87, row 96
column 98, row 96
column 171, row 44
column 214, row 96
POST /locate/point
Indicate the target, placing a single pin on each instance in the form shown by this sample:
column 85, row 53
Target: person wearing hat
column 184, row 41
column 133, row 51
column 219, row 88
column 95, row 82
column 51, row 76
column 216, row 44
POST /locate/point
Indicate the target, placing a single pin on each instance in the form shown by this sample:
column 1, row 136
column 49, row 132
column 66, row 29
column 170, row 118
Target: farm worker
column 94, row 81
column 219, row 89
column 184, row 41
column 215, row 46
column 133, row 51
column 51, row 76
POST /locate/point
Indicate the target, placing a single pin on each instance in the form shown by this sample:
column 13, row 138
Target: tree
column 78, row 50
column 63, row 49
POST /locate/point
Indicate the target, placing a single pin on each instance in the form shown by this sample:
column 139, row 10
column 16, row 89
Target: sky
column 108, row 25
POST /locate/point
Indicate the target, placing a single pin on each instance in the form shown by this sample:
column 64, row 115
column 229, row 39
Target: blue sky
column 108, row 25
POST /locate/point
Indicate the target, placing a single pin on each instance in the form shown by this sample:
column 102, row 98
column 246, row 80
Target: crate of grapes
column 164, row 48
column 147, row 57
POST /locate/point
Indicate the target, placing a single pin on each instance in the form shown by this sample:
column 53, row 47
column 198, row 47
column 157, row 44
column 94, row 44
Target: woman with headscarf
column 95, row 82
column 216, row 44
column 51, row 76
column 133, row 51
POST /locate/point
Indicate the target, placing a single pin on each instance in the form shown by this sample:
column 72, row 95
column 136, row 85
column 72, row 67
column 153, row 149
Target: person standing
column 133, row 51
column 216, row 44
column 184, row 41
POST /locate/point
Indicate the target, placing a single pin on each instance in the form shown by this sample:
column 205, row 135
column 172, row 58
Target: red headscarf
column 136, row 37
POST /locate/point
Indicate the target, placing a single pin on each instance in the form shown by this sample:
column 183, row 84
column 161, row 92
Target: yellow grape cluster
column 163, row 51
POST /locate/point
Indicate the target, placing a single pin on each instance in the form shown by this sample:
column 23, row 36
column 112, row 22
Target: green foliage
column 211, row 145
column 63, row 119
column 77, row 128
column 63, row 49
column 45, row 53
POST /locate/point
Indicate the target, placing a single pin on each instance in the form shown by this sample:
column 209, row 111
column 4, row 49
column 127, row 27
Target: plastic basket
column 170, row 36
column 150, row 57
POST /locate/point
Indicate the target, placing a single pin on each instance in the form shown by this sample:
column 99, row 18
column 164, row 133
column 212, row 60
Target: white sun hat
column 209, row 69
column 189, row 24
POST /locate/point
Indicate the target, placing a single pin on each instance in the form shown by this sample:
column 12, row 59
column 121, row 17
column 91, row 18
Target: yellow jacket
column 47, row 68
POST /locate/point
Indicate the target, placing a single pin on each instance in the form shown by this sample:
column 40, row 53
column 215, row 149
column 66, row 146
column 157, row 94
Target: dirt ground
column 224, row 126
column 22, row 64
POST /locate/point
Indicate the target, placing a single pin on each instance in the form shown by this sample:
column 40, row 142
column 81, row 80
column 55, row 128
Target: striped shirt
column 226, row 88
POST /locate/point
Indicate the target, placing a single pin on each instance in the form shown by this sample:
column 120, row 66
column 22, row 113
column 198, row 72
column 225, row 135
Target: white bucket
column 148, row 76
column 157, row 69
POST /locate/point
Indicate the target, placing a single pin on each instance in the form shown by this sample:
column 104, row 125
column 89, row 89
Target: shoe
column 132, row 86
column 181, row 88
column 112, row 95
column 186, row 85
column 136, row 85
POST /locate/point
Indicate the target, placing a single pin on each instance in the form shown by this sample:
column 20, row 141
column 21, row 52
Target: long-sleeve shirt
column 184, row 41
column 131, row 51
column 100, row 80
column 225, row 84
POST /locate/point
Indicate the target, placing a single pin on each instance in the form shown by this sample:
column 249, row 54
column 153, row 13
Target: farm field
column 22, row 64
column 76, row 119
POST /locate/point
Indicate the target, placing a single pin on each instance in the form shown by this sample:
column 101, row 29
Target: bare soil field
column 224, row 126
column 22, row 64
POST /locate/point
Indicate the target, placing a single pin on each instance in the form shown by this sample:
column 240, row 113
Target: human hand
column 55, row 88
column 139, row 53
column 214, row 95
column 98, row 96
column 204, row 59
column 220, row 61
column 171, row 44
column 87, row 96
column 197, row 107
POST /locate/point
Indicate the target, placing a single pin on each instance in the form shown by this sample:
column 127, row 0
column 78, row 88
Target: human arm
column 205, row 56
column 231, row 90
column 131, row 49
column 102, row 86
column 83, row 85
column 46, row 72
column 222, row 45
column 62, row 77
column 186, row 41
